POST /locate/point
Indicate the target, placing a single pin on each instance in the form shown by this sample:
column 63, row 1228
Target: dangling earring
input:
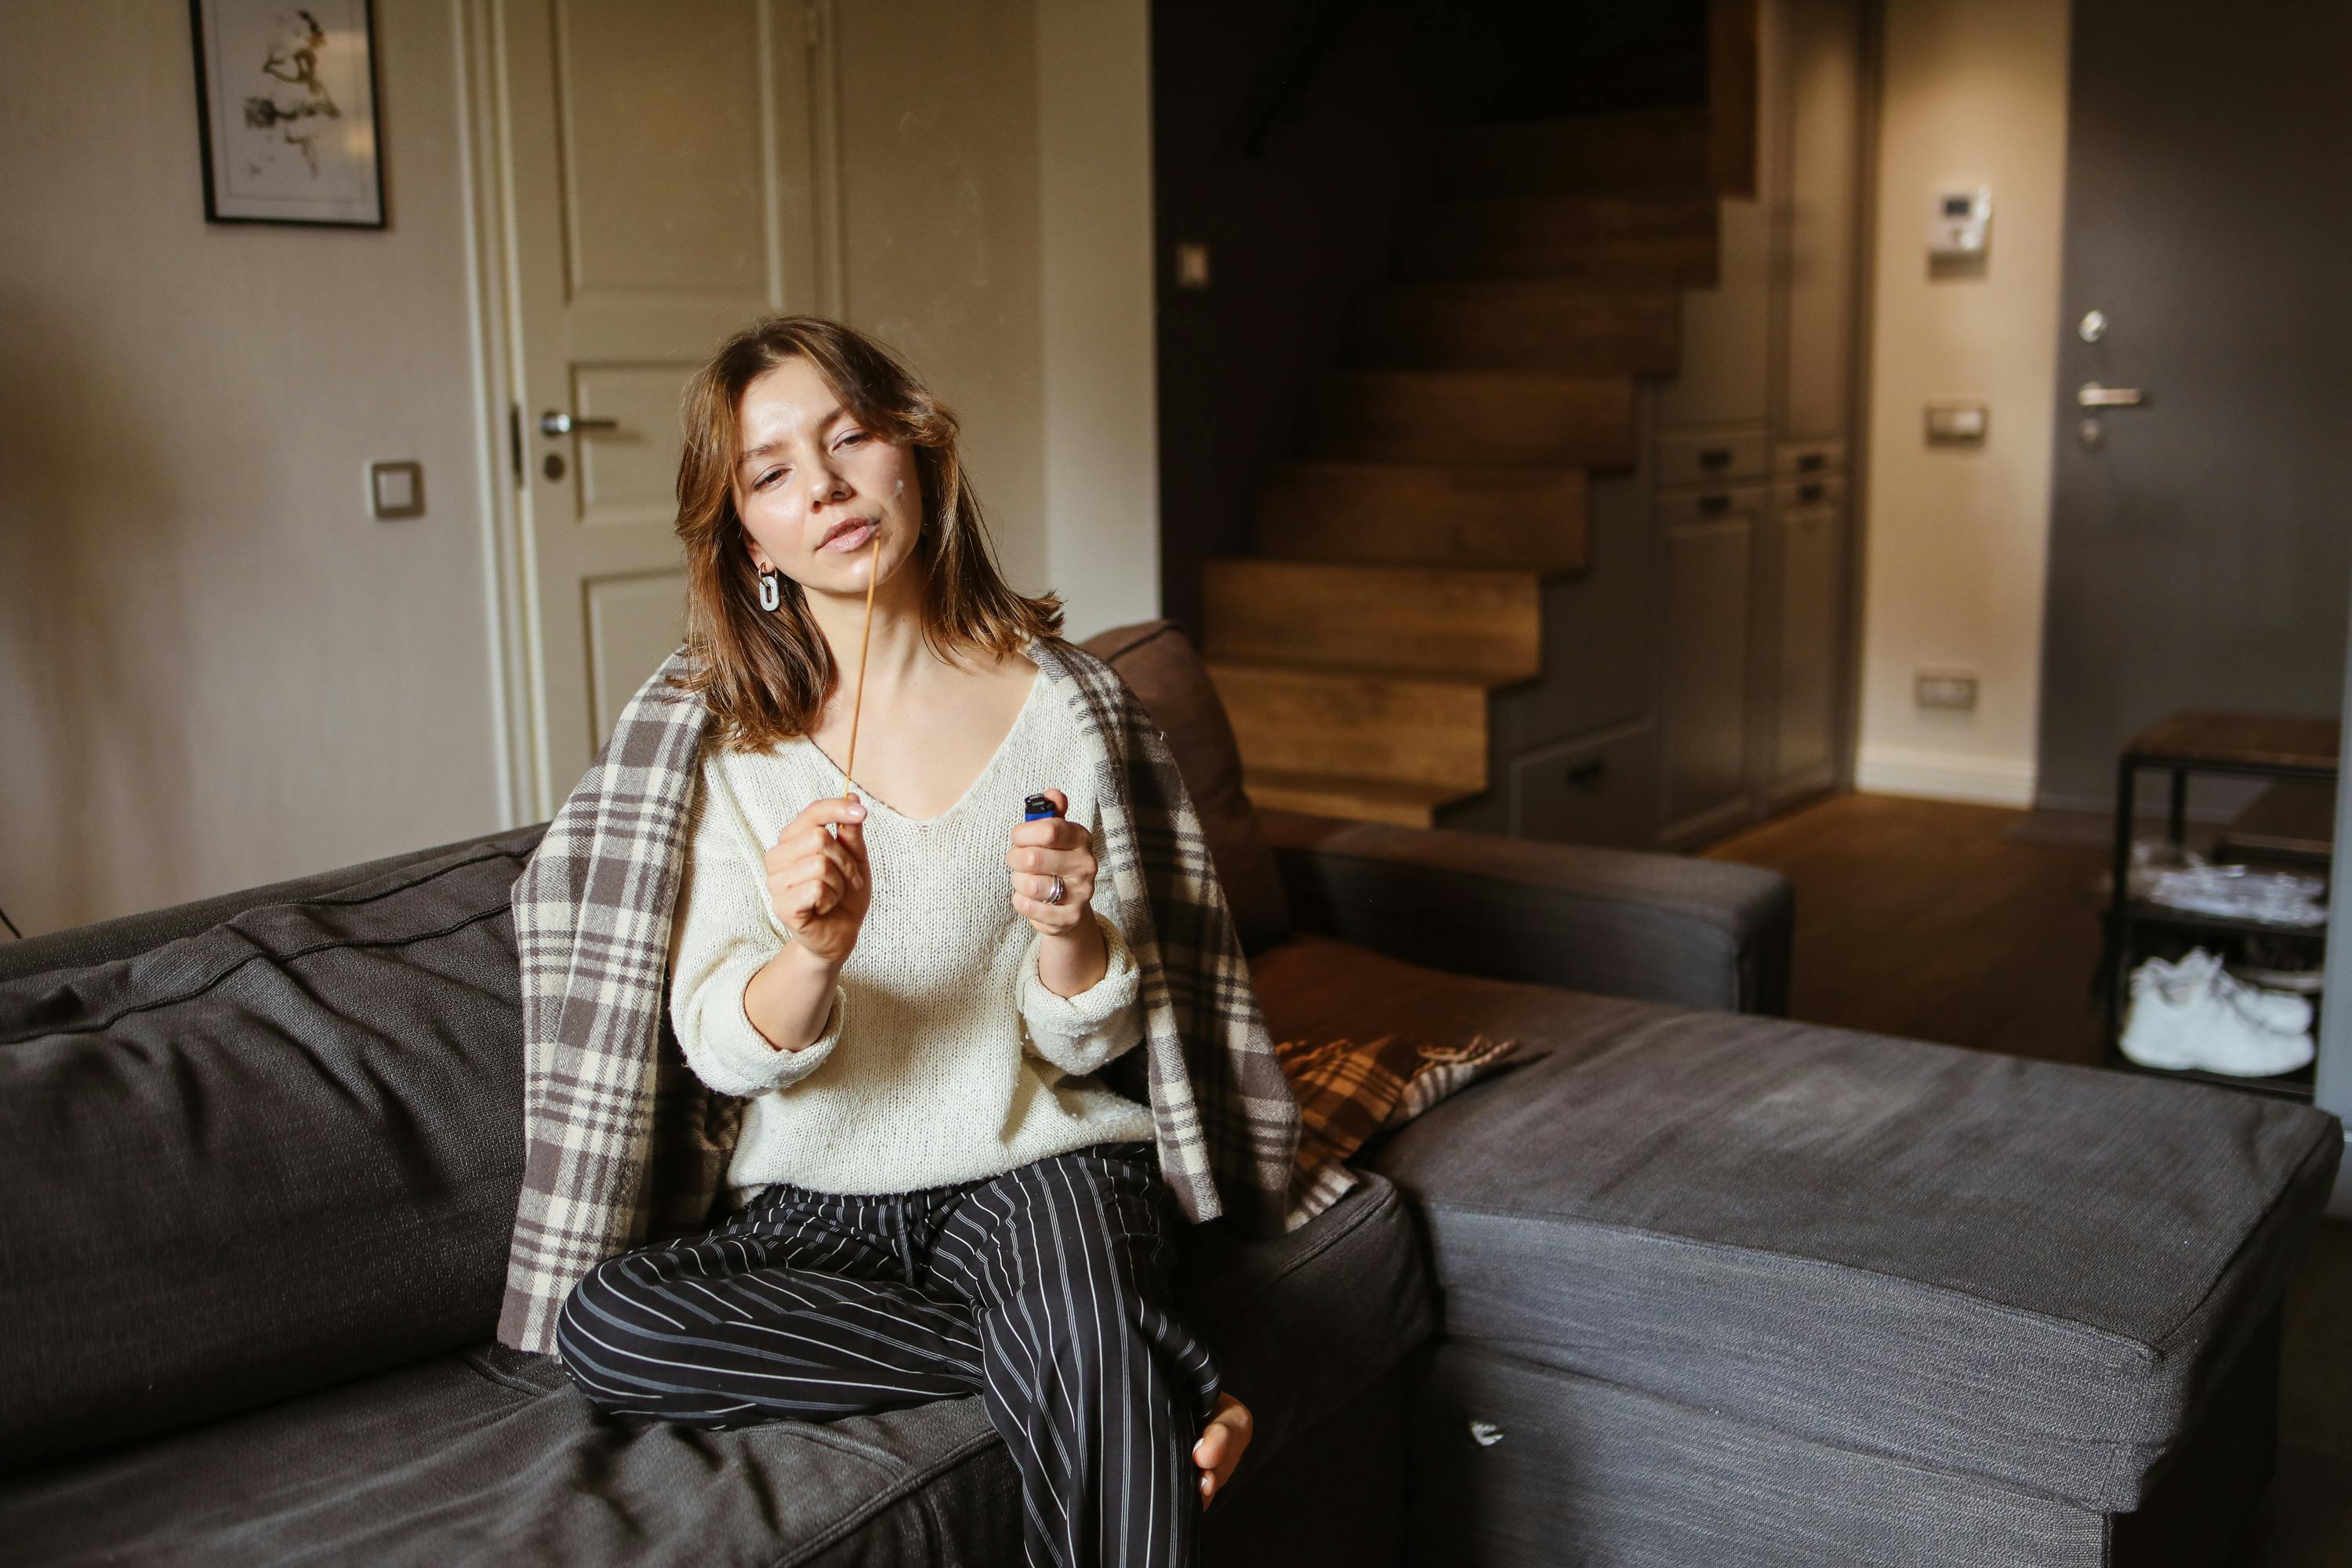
column 772, row 592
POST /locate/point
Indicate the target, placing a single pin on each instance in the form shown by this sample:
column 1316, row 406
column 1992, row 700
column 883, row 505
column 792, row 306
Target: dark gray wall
column 2198, row 558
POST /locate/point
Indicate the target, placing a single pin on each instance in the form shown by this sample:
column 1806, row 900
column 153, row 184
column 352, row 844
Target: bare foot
column 1223, row 1440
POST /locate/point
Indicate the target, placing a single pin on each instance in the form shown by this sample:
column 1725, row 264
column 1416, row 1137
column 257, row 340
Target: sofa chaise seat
column 1852, row 1286
column 2027, row 1272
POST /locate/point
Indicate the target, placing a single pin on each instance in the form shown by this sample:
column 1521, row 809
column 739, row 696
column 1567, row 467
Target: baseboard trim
column 1942, row 775
column 2148, row 803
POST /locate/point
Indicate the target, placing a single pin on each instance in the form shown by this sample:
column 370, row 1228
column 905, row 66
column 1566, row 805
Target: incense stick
column 858, row 703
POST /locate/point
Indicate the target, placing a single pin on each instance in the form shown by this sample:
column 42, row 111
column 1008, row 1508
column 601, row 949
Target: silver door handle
column 2093, row 395
column 553, row 424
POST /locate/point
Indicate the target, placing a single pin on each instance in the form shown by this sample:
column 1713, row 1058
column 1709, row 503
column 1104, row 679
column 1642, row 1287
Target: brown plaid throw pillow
column 1346, row 1091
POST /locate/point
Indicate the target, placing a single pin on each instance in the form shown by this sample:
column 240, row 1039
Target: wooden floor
column 1959, row 923
column 1927, row 920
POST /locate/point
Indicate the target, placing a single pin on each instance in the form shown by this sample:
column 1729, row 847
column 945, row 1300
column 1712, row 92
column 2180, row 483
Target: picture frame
column 288, row 112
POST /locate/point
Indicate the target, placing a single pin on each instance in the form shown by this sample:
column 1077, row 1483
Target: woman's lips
column 849, row 537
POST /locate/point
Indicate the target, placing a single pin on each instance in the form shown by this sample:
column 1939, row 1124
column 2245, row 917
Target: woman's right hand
column 820, row 886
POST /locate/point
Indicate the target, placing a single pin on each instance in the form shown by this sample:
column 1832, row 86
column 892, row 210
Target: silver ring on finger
column 1055, row 896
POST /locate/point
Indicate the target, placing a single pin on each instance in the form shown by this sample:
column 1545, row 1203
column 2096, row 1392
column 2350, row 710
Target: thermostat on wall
column 1961, row 223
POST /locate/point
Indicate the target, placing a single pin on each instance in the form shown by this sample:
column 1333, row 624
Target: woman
column 914, row 990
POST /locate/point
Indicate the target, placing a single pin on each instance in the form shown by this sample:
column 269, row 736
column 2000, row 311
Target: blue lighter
column 1038, row 805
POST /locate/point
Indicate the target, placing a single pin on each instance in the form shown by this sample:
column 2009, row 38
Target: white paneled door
column 655, row 167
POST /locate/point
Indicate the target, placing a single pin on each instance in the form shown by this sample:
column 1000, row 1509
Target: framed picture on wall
column 286, row 102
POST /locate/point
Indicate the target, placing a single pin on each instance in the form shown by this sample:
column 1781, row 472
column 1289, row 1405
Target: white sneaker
column 2279, row 1010
column 2191, row 1015
column 2273, row 1010
column 2153, row 1034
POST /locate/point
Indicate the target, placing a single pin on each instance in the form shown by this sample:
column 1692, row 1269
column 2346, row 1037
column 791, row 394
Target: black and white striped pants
column 1043, row 1291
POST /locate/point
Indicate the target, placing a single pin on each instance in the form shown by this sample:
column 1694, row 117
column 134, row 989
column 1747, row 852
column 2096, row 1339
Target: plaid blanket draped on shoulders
column 623, row 1144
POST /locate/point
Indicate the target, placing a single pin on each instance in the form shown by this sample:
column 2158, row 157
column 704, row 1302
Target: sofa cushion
column 1157, row 663
column 128, row 936
column 491, row 1455
column 2029, row 1272
column 259, row 1159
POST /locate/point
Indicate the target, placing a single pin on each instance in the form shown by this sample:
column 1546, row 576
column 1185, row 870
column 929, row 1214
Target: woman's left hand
column 1041, row 850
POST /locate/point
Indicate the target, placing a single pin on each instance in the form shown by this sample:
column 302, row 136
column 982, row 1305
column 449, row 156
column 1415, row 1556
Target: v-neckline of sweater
column 987, row 771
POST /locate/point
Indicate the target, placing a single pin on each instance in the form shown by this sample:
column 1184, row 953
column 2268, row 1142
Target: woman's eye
column 761, row 483
column 853, row 436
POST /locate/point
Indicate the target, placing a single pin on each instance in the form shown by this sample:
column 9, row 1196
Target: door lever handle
column 2093, row 395
column 553, row 424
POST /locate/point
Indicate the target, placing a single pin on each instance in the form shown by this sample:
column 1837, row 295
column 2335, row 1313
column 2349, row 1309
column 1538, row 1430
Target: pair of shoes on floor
column 2195, row 1014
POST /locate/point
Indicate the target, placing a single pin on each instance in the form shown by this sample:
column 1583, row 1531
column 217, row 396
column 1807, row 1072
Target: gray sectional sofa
column 1690, row 1284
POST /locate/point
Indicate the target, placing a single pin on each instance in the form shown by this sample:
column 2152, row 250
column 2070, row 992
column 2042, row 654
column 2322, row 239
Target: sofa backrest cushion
column 102, row 941
column 1156, row 659
column 277, row 1154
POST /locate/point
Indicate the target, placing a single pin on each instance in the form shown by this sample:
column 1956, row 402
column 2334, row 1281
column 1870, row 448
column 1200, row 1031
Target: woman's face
column 814, row 485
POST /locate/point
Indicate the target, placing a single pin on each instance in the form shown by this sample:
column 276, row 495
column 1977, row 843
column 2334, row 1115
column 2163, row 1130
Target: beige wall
column 217, row 669
column 1101, row 404
column 1975, row 92
column 940, row 230
column 996, row 213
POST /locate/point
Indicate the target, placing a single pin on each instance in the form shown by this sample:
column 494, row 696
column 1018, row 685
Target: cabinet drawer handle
column 1810, row 462
column 1586, row 774
column 1714, row 505
column 1715, row 457
column 1810, row 492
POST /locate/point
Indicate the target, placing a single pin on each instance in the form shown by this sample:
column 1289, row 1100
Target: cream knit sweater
column 944, row 1058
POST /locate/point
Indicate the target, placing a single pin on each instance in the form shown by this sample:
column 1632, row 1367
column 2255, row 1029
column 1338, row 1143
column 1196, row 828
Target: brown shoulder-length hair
column 765, row 675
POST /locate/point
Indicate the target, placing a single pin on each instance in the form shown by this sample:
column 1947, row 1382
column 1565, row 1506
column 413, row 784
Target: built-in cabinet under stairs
column 1399, row 566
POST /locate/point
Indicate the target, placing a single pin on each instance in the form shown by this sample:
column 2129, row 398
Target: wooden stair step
column 1404, row 513
column 1590, row 216
column 1652, row 149
column 1572, row 327
column 1473, row 417
column 1663, row 240
column 1666, row 70
column 1397, row 729
column 1351, row 799
column 1687, row 263
column 1447, row 621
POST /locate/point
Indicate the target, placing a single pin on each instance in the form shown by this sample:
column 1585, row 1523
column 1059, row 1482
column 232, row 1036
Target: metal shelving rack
column 2247, row 745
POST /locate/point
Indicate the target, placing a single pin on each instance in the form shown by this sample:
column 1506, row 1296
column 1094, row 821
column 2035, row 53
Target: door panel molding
column 623, row 615
column 578, row 561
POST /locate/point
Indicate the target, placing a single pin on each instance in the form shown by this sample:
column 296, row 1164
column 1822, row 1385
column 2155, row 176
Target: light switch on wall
column 1954, row 688
column 1954, row 422
column 1192, row 265
column 396, row 489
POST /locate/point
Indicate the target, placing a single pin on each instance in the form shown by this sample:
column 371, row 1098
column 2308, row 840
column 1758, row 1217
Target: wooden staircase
column 1398, row 569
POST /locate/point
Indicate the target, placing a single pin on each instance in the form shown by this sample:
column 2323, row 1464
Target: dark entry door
column 2201, row 541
